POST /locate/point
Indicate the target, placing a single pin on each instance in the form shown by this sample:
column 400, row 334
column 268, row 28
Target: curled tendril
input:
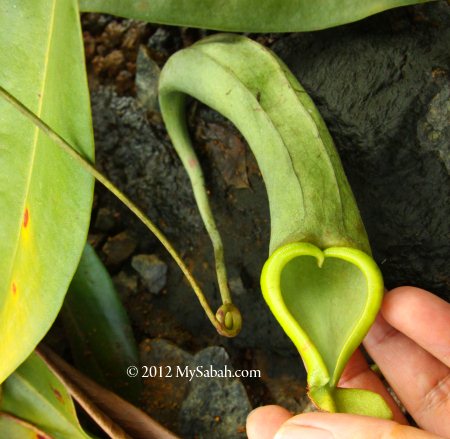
column 230, row 319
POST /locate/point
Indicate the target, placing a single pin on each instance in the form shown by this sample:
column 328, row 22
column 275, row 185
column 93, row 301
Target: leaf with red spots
column 58, row 395
column 45, row 197
column 26, row 217
column 15, row 428
column 41, row 402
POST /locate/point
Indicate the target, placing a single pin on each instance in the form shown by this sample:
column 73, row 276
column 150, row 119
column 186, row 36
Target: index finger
column 421, row 316
column 421, row 381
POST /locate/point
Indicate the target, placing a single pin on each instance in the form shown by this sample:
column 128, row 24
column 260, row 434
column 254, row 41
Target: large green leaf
column 246, row 15
column 33, row 393
column 98, row 328
column 45, row 197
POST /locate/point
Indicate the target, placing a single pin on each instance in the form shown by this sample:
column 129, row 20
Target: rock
column 133, row 35
column 434, row 128
column 105, row 220
column 125, row 284
column 132, row 154
column 214, row 407
column 152, row 270
column 197, row 407
column 95, row 239
column 147, row 77
column 123, row 81
column 163, row 395
column 236, row 286
column 113, row 62
column 113, row 33
column 164, row 42
column 161, row 352
column 119, row 248
column 95, row 23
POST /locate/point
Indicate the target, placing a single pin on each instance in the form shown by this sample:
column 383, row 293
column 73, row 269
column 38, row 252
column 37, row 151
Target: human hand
column 410, row 342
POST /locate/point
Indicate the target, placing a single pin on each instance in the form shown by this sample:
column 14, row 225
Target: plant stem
column 222, row 328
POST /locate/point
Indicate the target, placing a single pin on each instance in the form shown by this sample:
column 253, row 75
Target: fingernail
column 302, row 432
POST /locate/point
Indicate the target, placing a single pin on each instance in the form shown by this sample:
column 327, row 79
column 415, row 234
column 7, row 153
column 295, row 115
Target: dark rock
column 119, row 248
column 96, row 239
column 152, row 270
column 105, row 220
column 192, row 406
column 165, row 389
column 141, row 161
column 164, row 42
column 126, row 284
column 433, row 130
column 95, row 23
column 214, row 407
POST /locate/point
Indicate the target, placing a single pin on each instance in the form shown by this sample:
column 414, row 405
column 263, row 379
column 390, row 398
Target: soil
column 382, row 86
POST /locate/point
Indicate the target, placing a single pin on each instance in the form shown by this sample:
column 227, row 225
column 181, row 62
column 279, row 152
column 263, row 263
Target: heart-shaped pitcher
column 326, row 302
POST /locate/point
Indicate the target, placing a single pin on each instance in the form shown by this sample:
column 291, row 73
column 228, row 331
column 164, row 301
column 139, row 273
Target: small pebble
column 105, row 220
column 119, row 248
column 152, row 270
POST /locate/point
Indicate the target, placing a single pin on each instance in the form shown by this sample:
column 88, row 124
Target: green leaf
column 45, row 197
column 246, row 15
column 15, row 428
column 33, row 393
column 320, row 282
column 98, row 328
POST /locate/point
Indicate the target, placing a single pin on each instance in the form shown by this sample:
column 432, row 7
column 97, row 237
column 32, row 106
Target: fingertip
column 264, row 422
column 408, row 301
column 398, row 295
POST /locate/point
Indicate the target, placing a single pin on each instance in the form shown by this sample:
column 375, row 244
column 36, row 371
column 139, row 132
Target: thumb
column 343, row 426
column 264, row 422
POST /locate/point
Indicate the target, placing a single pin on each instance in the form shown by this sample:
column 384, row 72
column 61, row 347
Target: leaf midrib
column 41, row 95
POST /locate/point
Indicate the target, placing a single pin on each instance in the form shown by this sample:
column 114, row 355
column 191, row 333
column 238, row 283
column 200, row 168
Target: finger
column 420, row 380
column 343, row 426
column 423, row 317
column 358, row 375
column 264, row 422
